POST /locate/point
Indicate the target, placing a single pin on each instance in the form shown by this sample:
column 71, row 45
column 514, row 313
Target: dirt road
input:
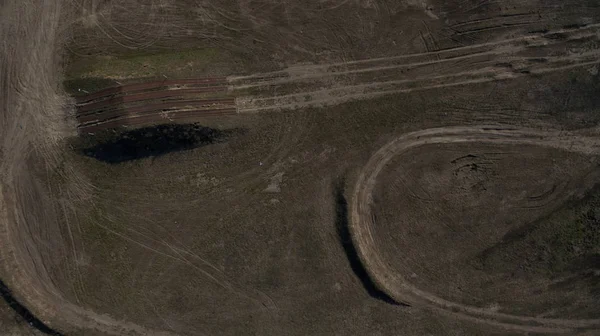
column 32, row 127
column 330, row 84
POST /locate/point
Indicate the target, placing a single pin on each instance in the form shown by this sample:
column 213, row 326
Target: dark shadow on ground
column 115, row 147
column 343, row 230
column 25, row 313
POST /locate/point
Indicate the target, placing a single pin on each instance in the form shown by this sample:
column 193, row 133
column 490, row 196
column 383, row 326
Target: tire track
column 144, row 109
column 137, row 87
column 330, row 84
column 329, row 97
column 395, row 284
column 142, row 97
column 336, row 83
column 508, row 45
column 144, row 104
column 191, row 115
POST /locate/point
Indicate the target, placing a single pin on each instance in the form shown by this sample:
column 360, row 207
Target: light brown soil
column 327, row 84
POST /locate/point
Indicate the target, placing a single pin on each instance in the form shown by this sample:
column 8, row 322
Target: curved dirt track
column 395, row 284
column 32, row 126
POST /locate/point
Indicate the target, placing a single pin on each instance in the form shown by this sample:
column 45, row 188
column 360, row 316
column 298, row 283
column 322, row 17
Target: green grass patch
column 181, row 63
column 92, row 73
column 83, row 86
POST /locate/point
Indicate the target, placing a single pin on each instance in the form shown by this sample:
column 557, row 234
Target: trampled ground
column 356, row 167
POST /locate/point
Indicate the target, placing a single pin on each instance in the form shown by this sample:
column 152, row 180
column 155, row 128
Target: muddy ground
column 358, row 194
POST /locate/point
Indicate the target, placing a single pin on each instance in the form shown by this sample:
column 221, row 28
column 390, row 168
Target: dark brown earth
column 389, row 167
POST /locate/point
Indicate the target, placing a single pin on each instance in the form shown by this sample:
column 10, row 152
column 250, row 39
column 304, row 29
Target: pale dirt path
column 32, row 126
column 331, row 84
column 395, row 284
column 501, row 47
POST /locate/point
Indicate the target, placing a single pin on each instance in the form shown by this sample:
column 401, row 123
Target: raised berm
column 501, row 225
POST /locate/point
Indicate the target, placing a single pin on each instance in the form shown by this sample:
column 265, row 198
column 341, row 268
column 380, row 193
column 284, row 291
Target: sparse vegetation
column 568, row 240
column 93, row 73
column 137, row 65
column 83, row 86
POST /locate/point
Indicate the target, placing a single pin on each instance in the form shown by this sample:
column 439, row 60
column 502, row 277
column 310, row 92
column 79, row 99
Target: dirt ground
column 398, row 167
column 463, row 180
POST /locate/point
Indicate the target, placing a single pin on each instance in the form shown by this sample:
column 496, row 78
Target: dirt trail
column 395, row 284
column 33, row 242
column 330, row 84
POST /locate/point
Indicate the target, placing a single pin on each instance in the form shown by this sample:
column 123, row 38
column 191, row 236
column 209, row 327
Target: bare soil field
column 299, row 168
